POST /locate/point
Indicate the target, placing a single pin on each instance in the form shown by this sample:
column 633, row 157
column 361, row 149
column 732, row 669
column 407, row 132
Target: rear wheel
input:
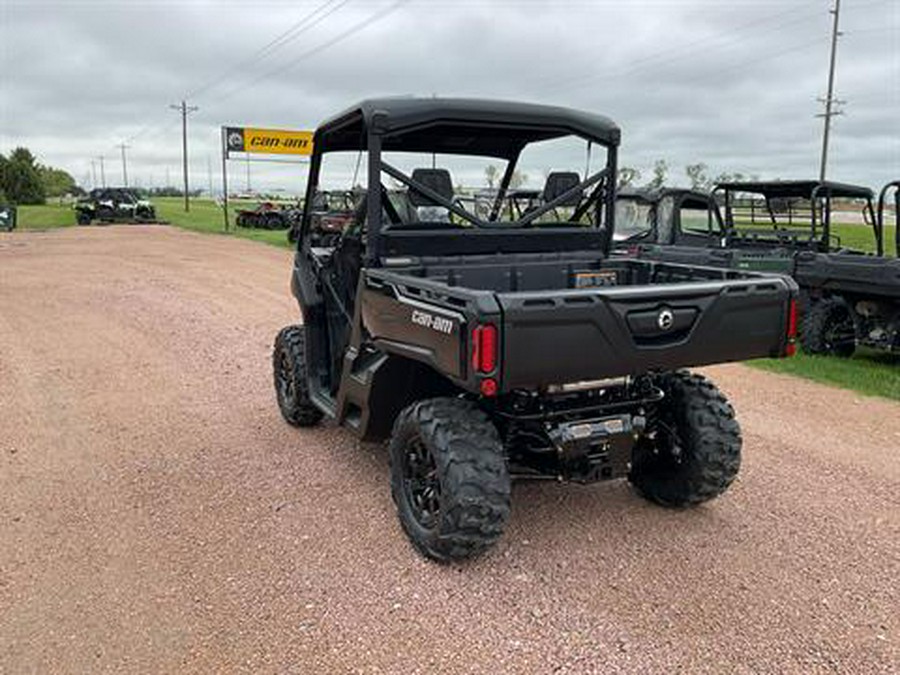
column 828, row 328
column 273, row 222
column 449, row 478
column 291, row 384
column 695, row 452
column 82, row 218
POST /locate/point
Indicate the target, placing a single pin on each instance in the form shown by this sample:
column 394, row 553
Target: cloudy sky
column 729, row 83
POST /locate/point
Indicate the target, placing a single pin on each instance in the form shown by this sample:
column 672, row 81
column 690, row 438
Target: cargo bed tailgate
column 554, row 337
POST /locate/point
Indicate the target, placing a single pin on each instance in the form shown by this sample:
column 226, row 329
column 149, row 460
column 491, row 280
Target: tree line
column 697, row 174
column 23, row 180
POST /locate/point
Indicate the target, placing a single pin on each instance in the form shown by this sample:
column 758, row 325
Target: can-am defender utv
column 489, row 349
column 114, row 205
column 765, row 224
column 853, row 299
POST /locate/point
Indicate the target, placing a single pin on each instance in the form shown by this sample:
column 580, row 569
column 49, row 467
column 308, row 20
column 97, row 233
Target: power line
column 304, row 24
column 340, row 37
column 679, row 53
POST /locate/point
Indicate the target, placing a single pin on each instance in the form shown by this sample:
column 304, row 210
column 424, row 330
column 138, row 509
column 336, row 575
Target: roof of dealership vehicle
column 459, row 126
column 797, row 188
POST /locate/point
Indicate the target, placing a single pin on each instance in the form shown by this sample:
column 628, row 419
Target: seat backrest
column 559, row 182
column 438, row 180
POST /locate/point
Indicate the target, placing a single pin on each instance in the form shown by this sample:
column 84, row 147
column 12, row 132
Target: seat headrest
column 438, row 180
column 559, row 182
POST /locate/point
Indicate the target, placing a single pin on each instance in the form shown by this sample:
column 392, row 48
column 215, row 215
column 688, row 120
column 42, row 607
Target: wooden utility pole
column 829, row 100
column 185, row 110
column 124, row 147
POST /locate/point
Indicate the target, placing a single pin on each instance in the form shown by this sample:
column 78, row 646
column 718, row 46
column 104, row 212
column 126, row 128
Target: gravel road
column 156, row 514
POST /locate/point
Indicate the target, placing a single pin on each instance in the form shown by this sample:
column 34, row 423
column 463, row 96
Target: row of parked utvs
column 848, row 297
column 492, row 344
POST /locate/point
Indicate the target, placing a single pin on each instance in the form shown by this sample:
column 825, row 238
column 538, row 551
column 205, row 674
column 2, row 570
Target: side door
column 696, row 222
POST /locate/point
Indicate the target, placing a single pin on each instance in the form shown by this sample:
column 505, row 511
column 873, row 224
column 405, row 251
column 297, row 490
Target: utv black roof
column 798, row 189
column 459, row 126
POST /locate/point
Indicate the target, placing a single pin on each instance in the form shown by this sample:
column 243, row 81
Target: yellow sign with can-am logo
column 269, row 141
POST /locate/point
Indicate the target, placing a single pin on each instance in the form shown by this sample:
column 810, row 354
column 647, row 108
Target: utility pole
column 102, row 172
column 829, row 99
column 185, row 110
column 124, row 147
column 93, row 173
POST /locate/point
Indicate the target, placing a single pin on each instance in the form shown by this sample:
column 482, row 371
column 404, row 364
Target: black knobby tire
column 83, row 219
column 291, row 384
column 696, row 453
column 449, row 478
column 828, row 328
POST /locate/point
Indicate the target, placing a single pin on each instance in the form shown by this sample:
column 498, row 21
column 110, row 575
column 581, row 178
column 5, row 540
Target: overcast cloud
column 731, row 84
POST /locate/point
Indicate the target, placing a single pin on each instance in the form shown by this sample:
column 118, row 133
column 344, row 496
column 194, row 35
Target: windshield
column 558, row 182
column 634, row 219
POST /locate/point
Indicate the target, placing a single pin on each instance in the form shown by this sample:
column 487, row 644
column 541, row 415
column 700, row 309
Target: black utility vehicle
column 764, row 225
column 489, row 349
column 853, row 299
column 114, row 205
column 7, row 217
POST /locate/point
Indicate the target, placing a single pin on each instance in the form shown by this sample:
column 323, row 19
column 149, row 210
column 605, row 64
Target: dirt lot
column 156, row 514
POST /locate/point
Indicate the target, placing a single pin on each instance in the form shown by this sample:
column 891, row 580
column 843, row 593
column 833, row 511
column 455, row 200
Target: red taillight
column 791, row 347
column 489, row 386
column 484, row 348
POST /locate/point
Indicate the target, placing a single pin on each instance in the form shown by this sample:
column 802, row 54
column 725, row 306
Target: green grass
column 206, row 216
column 869, row 372
column 46, row 216
column 862, row 238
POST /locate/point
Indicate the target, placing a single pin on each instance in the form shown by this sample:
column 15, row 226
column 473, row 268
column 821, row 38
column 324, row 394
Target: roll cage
column 471, row 127
column 882, row 209
column 779, row 210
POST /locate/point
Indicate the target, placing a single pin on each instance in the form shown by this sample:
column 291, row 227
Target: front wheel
column 291, row 383
column 694, row 453
column 828, row 328
column 449, row 478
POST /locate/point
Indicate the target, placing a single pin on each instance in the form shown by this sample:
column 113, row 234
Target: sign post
column 252, row 140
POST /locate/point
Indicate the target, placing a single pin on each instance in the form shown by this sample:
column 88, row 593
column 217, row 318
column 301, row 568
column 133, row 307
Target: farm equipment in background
column 268, row 216
column 114, row 205
column 7, row 217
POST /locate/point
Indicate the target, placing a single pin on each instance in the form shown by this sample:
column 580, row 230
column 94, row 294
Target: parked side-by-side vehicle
column 848, row 297
column 114, row 205
column 496, row 345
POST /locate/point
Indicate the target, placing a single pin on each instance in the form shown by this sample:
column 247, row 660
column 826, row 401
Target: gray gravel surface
column 157, row 515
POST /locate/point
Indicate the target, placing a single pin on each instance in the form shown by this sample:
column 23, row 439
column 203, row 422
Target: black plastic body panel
column 849, row 274
column 554, row 338
column 561, row 335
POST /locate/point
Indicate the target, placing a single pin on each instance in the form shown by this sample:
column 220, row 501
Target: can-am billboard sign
column 268, row 141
